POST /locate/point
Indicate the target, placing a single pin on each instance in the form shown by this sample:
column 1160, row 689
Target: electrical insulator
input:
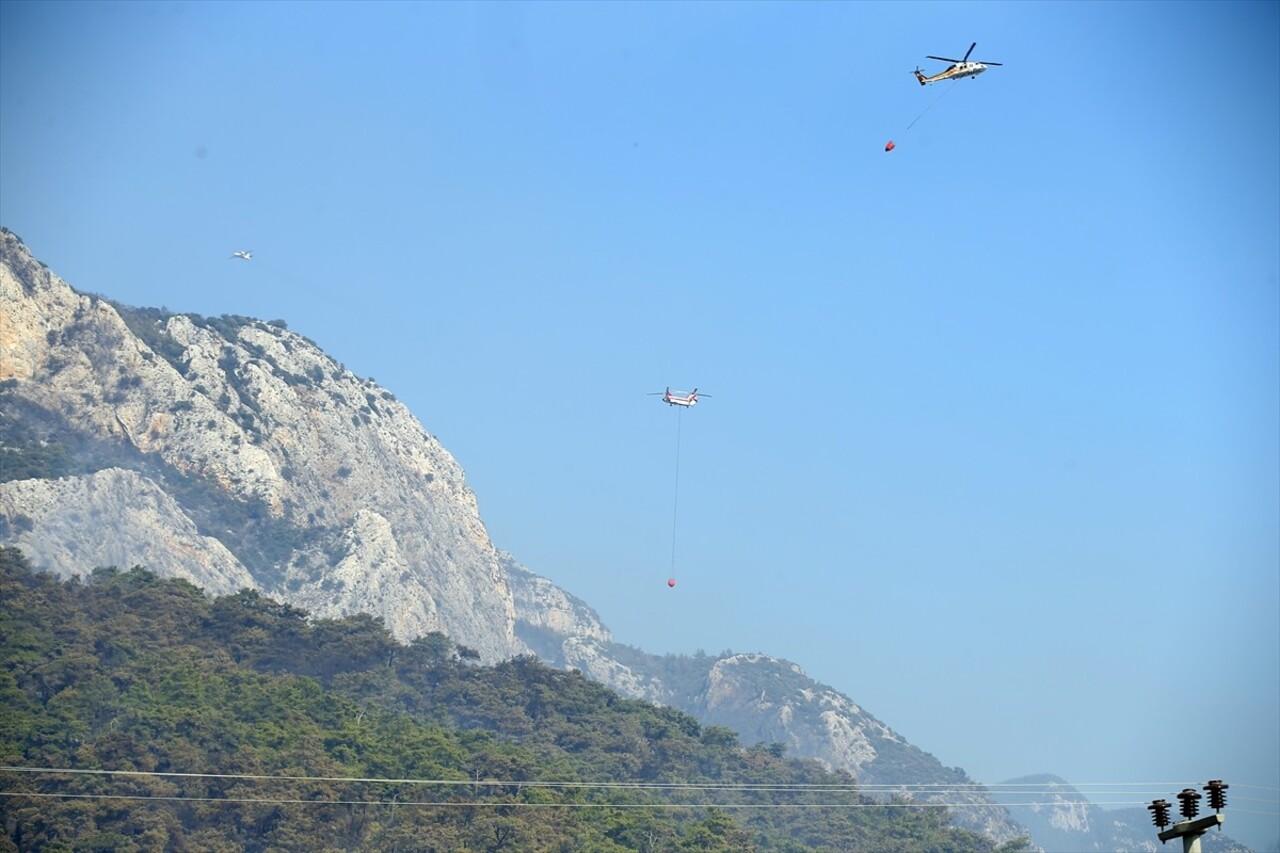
column 1159, row 813
column 1190, row 802
column 1217, row 797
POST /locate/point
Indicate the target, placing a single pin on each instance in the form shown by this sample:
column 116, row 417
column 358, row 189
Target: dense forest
column 141, row 714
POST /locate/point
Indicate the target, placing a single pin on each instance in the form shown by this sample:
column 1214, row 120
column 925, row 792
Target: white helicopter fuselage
column 966, row 69
column 955, row 72
column 680, row 401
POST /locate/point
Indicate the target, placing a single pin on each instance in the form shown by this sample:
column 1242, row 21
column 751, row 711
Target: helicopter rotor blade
column 991, row 63
column 943, row 59
column 969, row 51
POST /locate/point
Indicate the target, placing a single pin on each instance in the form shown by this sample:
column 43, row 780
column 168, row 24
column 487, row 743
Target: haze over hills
column 1062, row 820
column 234, row 453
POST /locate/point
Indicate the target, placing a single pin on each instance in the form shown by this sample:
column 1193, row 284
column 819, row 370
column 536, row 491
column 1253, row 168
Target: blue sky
column 994, row 440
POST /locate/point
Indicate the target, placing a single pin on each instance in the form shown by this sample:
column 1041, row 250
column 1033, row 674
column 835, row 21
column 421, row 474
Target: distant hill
column 1061, row 820
column 235, row 454
column 155, row 718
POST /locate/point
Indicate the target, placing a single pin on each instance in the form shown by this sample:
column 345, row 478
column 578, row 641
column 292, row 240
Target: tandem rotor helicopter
column 959, row 68
column 683, row 401
column 677, row 398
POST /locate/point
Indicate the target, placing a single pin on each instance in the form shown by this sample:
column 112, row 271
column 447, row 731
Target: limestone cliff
column 114, row 518
column 324, row 487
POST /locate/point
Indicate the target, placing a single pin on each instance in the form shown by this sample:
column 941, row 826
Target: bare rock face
column 564, row 631
column 373, row 569
column 541, row 606
column 114, row 518
column 778, row 697
column 352, row 506
column 594, row 661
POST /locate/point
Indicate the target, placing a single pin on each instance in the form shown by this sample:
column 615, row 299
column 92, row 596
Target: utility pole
column 1190, row 829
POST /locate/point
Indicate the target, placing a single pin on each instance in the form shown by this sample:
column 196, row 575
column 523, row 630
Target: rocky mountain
column 235, row 453
column 121, row 510
column 321, row 485
column 1061, row 820
column 772, row 701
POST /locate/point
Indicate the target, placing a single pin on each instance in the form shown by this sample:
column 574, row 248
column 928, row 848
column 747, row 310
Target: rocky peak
column 324, row 487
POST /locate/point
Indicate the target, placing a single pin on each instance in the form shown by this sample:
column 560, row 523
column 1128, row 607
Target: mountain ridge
column 243, row 439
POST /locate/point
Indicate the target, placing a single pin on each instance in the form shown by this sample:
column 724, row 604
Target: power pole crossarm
column 1191, row 830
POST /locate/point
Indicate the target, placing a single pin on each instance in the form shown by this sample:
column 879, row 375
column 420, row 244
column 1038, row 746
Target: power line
column 473, row 803
column 1047, row 796
column 258, row 777
column 922, row 787
column 506, row 803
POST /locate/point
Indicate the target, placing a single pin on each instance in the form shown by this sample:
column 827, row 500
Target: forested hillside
column 141, row 714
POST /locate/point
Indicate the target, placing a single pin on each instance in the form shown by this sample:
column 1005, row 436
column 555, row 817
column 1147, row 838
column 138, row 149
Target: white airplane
column 675, row 398
column 244, row 256
column 959, row 68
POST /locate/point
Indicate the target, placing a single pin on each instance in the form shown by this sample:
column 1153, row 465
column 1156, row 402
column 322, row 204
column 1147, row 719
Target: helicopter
column 959, row 68
column 676, row 398
column 244, row 256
